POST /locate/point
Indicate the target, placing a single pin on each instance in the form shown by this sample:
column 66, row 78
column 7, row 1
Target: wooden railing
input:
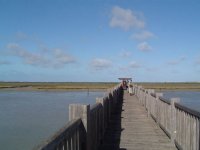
column 86, row 126
column 181, row 124
column 71, row 137
column 187, row 128
column 96, row 125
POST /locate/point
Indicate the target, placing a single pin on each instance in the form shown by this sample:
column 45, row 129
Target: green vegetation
column 58, row 85
column 97, row 85
column 170, row 85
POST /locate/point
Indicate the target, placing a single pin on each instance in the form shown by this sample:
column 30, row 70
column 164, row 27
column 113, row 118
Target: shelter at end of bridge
column 125, row 82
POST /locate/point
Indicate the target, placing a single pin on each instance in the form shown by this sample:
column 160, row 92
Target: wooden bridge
column 120, row 121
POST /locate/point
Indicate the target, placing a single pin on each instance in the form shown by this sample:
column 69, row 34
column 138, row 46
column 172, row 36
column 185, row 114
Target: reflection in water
column 29, row 117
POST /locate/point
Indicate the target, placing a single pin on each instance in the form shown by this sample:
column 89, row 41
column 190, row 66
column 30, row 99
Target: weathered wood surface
column 180, row 123
column 70, row 137
column 131, row 129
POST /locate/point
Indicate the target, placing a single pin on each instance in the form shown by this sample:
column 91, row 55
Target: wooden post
column 173, row 119
column 145, row 99
column 148, row 101
column 83, row 112
column 102, row 119
column 158, row 106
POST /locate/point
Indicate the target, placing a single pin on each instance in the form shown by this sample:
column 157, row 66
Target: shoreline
column 180, row 89
column 171, row 86
column 69, row 89
column 94, row 86
column 56, row 86
column 52, row 89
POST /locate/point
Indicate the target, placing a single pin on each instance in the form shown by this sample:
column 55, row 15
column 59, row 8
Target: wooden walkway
column 131, row 129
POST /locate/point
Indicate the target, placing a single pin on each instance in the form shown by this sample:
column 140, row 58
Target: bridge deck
column 131, row 129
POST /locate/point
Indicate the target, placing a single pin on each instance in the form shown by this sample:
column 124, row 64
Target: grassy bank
column 97, row 85
column 171, row 85
column 57, row 85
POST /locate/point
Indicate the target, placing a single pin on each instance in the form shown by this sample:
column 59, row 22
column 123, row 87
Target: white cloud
column 177, row 61
column 143, row 35
column 13, row 46
column 144, row 46
column 152, row 69
column 100, row 64
column 133, row 64
column 62, row 57
column 53, row 59
column 125, row 54
column 22, row 36
column 27, row 56
column 125, row 19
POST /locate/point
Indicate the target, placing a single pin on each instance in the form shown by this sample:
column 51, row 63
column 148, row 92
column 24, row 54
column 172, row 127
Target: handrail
column 153, row 94
column 164, row 100
column 188, row 110
column 95, row 107
column 180, row 123
column 63, row 134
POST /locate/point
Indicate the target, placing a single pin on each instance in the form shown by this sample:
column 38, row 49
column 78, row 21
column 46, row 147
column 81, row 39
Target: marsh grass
column 159, row 86
column 58, row 85
column 194, row 86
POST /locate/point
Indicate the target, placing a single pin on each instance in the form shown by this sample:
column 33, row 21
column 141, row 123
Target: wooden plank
column 130, row 129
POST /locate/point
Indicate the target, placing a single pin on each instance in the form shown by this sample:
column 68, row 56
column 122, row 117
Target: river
column 190, row 99
column 28, row 117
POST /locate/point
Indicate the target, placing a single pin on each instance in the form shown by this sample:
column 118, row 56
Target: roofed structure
column 125, row 79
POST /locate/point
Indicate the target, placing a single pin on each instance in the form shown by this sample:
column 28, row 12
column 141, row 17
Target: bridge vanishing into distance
column 143, row 120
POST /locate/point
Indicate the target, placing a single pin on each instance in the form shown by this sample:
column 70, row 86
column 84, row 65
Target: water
column 191, row 99
column 28, row 117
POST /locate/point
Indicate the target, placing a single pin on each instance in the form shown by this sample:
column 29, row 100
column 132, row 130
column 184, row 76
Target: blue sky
column 100, row 40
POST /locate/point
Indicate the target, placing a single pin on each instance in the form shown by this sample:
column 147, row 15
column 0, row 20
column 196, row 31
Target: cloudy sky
column 99, row 40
